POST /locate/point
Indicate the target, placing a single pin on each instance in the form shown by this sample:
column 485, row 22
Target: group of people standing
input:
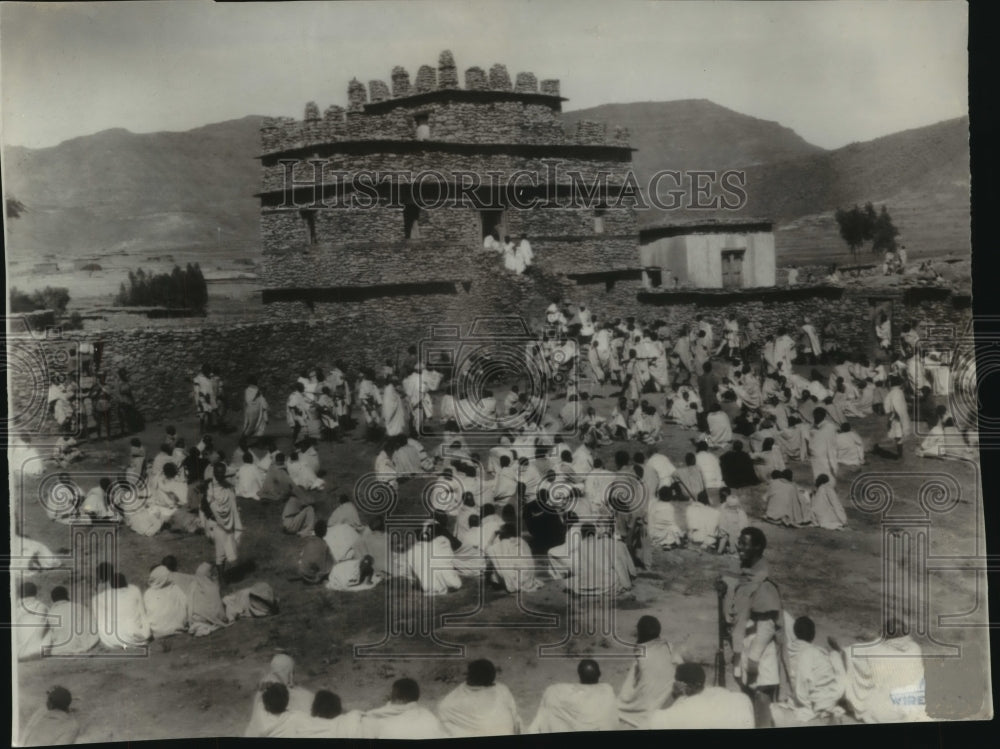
column 84, row 402
column 516, row 259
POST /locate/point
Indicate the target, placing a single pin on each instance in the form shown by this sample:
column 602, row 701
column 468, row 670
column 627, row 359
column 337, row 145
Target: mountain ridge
column 117, row 190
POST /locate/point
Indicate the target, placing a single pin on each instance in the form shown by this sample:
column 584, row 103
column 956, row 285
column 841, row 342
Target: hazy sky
column 835, row 72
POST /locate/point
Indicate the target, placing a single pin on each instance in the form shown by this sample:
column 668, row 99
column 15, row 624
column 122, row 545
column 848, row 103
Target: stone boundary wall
column 162, row 361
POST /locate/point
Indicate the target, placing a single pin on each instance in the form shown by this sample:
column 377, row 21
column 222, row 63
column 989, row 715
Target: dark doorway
column 494, row 222
column 310, row 220
column 411, row 221
column 732, row 269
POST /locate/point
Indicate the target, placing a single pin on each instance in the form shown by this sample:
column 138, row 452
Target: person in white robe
column 827, row 509
column 402, row 717
column 166, row 604
column 370, row 398
column 559, row 559
column 816, row 677
column 524, row 251
column 785, row 504
column 582, row 461
column 823, row 445
column 326, row 720
column 813, row 349
column 296, row 410
column 650, row 679
column 302, row 474
column 413, row 391
column 96, row 503
column 38, row 555
column 511, row 562
column 884, row 679
column 31, row 624
column 586, row 706
column 280, row 671
column 663, row 528
column 768, row 460
column 24, row 458
column 683, row 411
column 480, row 706
column 850, row 447
column 720, row 428
column 512, row 261
column 204, row 397
column 896, row 409
column 354, row 575
column 121, row 615
column 255, row 410
column 385, row 468
column 697, row 706
column 164, row 456
column 784, row 352
column 702, row 524
column 732, row 520
column 71, row 630
column 430, row 562
column 341, row 538
column 249, row 478
column 393, row 412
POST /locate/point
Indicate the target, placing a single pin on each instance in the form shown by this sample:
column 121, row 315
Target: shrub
column 51, row 297
column 177, row 289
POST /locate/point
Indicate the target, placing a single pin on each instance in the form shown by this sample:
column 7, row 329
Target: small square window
column 423, row 123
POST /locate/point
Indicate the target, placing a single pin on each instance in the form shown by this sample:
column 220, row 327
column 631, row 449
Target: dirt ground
column 201, row 687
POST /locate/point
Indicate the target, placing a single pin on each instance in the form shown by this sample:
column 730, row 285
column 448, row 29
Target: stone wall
column 348, row 251
column 277, row 178
column 365, row 332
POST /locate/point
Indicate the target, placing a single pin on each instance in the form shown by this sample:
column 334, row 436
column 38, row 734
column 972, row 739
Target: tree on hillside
column 884, row 233
column 15, row 208
column 852, row 225
column 860, row 225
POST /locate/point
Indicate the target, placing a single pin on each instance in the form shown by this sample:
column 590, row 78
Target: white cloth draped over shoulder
column 713, row 707
column 885, row 681
column 166, row 604
column 393, row 413
column 121, row 617
column 576, row 707
column 255, row 414
column 479, row 711
column 32, row 627
column 402, row 721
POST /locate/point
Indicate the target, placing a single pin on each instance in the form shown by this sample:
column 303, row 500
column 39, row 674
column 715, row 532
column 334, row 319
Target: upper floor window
column 423, row 126
column 309, row 217
column 599, row 220
column 411, row 221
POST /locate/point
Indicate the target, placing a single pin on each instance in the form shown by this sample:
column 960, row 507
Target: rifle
column 720, row 654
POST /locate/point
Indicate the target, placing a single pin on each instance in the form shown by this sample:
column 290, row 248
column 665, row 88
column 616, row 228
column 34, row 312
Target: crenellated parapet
column 488, row 109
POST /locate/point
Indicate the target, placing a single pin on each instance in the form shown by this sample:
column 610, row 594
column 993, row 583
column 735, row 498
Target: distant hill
column 695, row 134
column 116, row 190
column 922, row 175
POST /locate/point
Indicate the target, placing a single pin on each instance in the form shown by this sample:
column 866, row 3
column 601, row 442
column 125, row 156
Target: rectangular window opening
column 411, row 221
column 309, row 217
